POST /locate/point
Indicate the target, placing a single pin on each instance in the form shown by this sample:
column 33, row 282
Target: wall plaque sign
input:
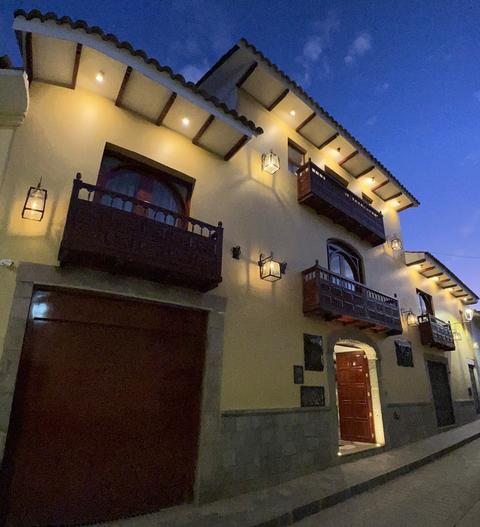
column 298, row 374
column 313, row 351
column 403, row 349
column 312, row 395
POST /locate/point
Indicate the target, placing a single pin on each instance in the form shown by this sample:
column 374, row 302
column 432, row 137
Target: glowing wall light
column 34, row 207
column 468, row 314
column 270, row 162
column 270, row 269
column 396, row 243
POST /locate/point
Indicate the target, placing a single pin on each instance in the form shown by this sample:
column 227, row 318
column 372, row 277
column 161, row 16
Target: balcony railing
column 336, row 298
column 323, row 193
column 114, row 232
column 436, row 333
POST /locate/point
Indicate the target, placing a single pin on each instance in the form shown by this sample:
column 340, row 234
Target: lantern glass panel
column 270, row 270
column 270, row 163
column 34, row 207
column 411, row 319
column 468, row 314
column 396, row 244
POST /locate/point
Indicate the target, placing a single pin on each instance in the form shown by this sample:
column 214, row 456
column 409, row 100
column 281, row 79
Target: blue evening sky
column 402, row 76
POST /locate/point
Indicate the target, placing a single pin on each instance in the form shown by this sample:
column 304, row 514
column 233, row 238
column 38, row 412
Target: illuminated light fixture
column 456, row 335
column 396, row 203
column 100, row 76
column 468, row 314
column 411, row 318
column 270, row 269
column 293, row 113
column 370, row 180
column 475, row 345
column 436, row 278
column 396, row 243
column 34, row 206
column 270, row 162
column 185, row 121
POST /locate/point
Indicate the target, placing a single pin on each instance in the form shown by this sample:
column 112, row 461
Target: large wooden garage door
column 442, row 398
column 354, row 397
column 106, row 410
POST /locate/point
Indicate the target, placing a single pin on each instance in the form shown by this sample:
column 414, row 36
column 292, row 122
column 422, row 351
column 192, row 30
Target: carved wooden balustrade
column 118, row 233
column 323, row 193
column 436, row 333
column 336, row 298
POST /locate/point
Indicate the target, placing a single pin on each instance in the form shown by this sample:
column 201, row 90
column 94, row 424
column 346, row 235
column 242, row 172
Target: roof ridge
column 110, row 37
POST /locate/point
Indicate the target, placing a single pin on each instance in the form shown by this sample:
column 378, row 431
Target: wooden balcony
column 323, row 193
column 436, row 333
column 117, row 233
column 333, row 297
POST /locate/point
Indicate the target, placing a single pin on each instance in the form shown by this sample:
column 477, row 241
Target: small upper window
column 344, row 261
column 425, row 302
column 296, row 156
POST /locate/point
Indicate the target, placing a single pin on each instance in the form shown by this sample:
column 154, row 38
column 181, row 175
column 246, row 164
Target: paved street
column 444, row 493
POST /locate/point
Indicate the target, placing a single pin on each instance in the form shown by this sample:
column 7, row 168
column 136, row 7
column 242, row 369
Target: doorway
column 473, row 382
column 442, row 397
column 358, row 398
column 106, row 412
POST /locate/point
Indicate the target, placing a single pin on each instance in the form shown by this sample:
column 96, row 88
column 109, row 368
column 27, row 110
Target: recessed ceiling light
column 99, row 77
column 185, row 121
column 371, row 180
column 436, row 278
column 292, row 113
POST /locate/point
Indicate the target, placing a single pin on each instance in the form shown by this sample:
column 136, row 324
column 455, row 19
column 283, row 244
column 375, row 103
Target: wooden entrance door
column 354, row 397
column 442, row 397
column 473, row 381
column 106, row 410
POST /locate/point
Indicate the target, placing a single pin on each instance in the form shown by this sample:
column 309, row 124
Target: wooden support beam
column 386, row 182
column 448, row 286
column 405, row 207
column 307, row 120
column 203, row 129
column 278, row 100
column 121, row 91
column 29, row 57
column 247, row 74
column 166, row 109
column 328, row 141
column 236, row 147
column 426, row 269
column 396, row 195
column 364, row 172
column 76, row 65
column 416, row 262
column 435, row 274
column 460, row 296
column 350, row 156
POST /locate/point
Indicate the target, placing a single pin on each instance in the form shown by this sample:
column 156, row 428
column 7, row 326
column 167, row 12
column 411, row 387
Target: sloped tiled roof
column 298, row 89
column 109, row 37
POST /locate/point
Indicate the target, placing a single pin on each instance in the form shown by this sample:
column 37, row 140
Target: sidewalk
column 290, row 502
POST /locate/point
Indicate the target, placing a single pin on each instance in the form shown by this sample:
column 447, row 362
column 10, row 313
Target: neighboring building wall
column 266, row 437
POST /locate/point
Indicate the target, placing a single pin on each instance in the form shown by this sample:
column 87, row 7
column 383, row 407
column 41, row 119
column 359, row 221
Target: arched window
column 137, row 180
column 344, row 261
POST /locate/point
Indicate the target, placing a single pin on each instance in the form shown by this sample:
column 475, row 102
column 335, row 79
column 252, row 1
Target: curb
column 302, row 512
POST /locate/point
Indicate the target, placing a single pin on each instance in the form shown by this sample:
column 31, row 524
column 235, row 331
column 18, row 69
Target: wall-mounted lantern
column 270, row 162
column 476, row 346
column 468, row 314
column 410, row 317
column 34, row 207
column 457, row 336
column 270, row 269
column 396, row 242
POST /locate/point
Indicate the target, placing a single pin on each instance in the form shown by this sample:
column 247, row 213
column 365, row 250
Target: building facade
column 207, row 291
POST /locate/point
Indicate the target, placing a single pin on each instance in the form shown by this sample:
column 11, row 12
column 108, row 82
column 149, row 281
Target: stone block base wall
column 464, row 411
column 408, row 422
column 263, row 448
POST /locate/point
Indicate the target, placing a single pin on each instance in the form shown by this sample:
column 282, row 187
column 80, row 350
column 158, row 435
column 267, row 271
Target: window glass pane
column 347, row 270
column 164, row 196
column 123, row 182
column 295, row 158
column 335, row 264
